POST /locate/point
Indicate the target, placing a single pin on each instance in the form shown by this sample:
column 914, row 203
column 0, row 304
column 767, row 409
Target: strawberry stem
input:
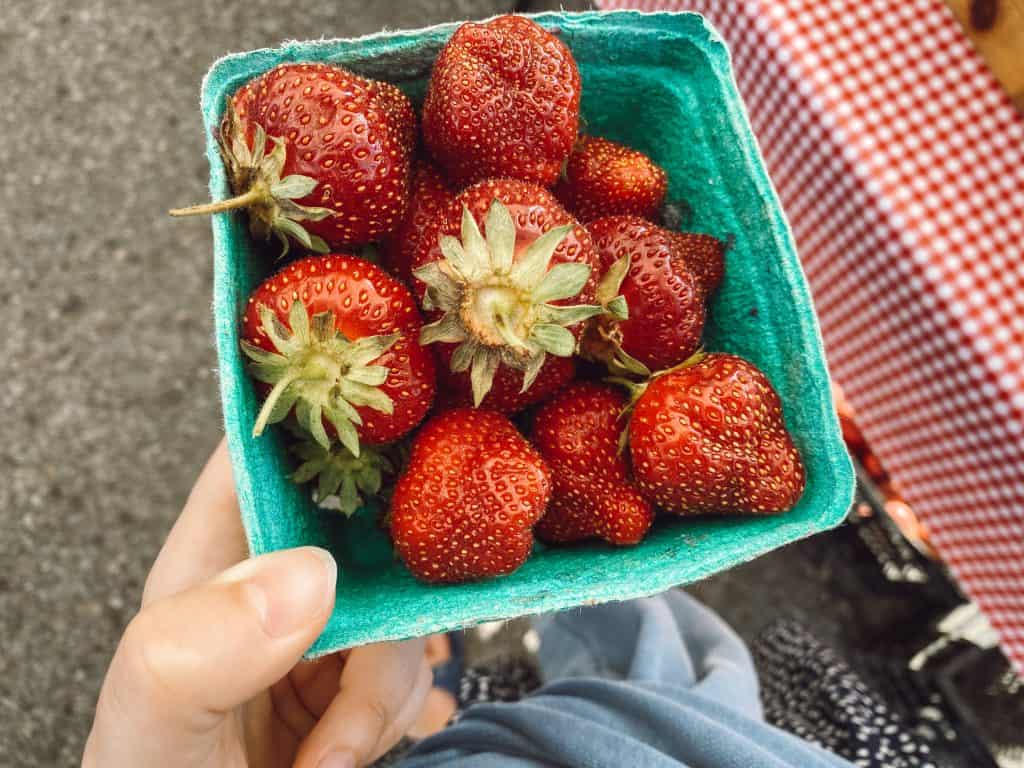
column 256, row 179
column 633, row 388
column 689, row 362
column 254, row 195
column 271, row 401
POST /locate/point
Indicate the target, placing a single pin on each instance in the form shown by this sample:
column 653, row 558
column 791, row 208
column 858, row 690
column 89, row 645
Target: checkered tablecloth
column 900, row 163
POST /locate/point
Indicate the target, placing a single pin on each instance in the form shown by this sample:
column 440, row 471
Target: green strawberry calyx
column 602, row 340
column 500, row 309
column 255, row 178
column 341, row 477
column 319, row 373
column 636, row 389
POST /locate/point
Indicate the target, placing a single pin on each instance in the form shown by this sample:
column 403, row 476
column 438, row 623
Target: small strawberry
column 665, row 312
column 334, row 339
column 429, row 197
column 503, row 101
column 709, row 437
column 317, row 154
column 466, row 505
column 506, row 297
column 705, row 256
column 603, row 178
column 577, row 433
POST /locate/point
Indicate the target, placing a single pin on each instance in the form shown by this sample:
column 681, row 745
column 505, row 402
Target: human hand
column 209, row 673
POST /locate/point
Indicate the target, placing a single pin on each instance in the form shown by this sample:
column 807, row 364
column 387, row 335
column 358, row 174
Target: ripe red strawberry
column 503, row 101
column 506, row 395
column 317, row 154
column 335, row 339
column 466, row 504
column 710, row 438
column 398, row 111
column 665, row 309
column 429, row 197
column 577, row 433
column 507, row 300
column 603, row 178
column 704, row 255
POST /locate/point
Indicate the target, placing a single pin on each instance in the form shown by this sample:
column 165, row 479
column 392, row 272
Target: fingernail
column 338, row 760
column 292, row 589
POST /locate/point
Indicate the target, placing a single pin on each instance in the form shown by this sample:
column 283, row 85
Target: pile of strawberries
column 521, row 273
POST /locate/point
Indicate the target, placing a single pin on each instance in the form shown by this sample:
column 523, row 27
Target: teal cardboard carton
column 661, row 83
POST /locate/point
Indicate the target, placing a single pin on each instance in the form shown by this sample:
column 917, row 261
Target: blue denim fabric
column 655, row 683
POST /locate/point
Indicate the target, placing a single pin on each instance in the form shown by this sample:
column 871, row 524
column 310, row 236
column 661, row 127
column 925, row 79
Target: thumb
column 186, row 660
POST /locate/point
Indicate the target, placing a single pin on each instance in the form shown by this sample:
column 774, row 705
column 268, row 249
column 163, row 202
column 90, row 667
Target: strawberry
column 705, row 256
column 429, row 197
column 503, row 101
column 466, row 504
column 603, row 178
column 577, row 433
column 664, row 313
column 507, row 394
column 317, row 154
column 334, row 340
column 398, row 110
column 709, row 437
column 507, row 300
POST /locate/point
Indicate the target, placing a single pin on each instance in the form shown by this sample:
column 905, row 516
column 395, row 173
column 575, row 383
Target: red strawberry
column 503, row 101
column 506, row 395
column 603, row 178
column 704, row 255
column 398, row 110
column 467, row 503
column 577, row 433
column 664, row 299
column 710, row 438
column 429, row 197
column 317, row 154
column 510, row 299
column 335, row 339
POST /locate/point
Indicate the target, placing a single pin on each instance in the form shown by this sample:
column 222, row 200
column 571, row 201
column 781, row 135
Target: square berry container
column 661, row 83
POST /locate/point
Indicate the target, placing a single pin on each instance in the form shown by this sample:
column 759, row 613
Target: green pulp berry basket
column 661, row 83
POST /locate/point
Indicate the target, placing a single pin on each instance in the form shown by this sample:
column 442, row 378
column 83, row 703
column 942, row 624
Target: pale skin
column 209, row 674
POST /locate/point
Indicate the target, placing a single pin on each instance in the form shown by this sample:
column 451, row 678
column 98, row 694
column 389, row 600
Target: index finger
column 208, row 536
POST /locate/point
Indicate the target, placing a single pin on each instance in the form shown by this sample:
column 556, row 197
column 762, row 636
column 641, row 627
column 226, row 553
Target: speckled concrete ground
column 109, row 396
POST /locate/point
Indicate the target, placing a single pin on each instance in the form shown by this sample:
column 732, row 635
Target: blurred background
column 109, row 394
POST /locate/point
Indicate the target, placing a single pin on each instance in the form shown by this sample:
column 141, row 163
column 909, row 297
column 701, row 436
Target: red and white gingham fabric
column 900, row 163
